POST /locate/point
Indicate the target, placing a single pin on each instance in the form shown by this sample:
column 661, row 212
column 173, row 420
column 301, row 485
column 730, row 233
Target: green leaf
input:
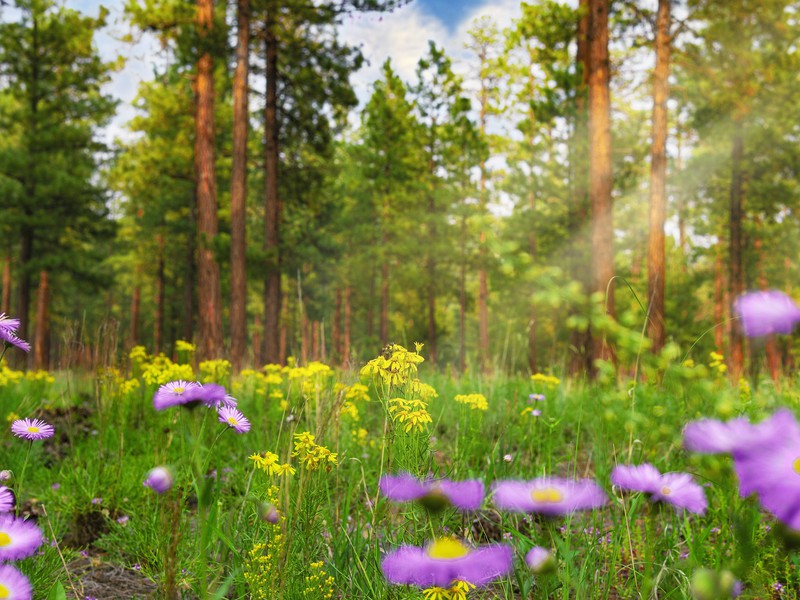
column 57, row 592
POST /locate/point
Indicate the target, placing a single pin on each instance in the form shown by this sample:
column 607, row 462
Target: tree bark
column 24, row 295
column 158, row 329
column 656, row 247
column 336, row 335
column 238, row 308
column 41, row 346
column 600, row 167
column 272, row 284
column 208, row 279
column 770, row 343
column 736, row 270
column 347, row 332
column 5, row 304
column 580, row 341
column 719, row 300
column 136, row 303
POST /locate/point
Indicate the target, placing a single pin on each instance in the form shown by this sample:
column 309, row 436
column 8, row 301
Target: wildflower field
column 162, row 480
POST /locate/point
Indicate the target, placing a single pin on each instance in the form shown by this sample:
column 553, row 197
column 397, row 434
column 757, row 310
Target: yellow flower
column 548, row 380
column 474, row 401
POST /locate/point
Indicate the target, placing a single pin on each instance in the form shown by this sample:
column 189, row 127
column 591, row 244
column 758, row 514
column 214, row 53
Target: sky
column 402, row 35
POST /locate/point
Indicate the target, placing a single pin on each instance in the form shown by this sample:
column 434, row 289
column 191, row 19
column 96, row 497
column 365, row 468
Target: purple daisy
column 677, row 489
column 212, row 395
column 7, row 500
column 444, row 561
column 233, row 418
column 159, row 480
column 548, row 495
column 175, row 393
column 18, row 538
column 13, row 584
column 765, row 313
column 711, row 436
column 540, row 560
column 8, row 333
column 7, row 323
column 464, row 495
column 32, row 429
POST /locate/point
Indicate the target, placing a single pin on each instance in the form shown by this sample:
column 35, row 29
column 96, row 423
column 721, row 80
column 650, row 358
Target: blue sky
column 402, row 35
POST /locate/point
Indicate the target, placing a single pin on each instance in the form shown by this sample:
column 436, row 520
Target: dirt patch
column 94, row 578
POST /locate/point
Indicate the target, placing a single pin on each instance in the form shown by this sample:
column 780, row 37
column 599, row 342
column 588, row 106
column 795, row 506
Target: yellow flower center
column 178, row 390
column 4, row 591
column 5, row 539
column 33, row 429
column 665, row 491
column 550, row 495
column 233, row 421
column 447, row 548
column 796, row 465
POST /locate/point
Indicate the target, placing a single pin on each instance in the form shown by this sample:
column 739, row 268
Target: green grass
column 203, row 531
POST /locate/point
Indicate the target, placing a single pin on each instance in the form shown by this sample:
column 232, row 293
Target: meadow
column 291, row 508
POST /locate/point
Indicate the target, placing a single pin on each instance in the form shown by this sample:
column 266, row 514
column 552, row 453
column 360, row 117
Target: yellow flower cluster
column 215, row 371
column 395, row 366
column 269, row 462
column 356, row 393
column 39, row 376
column 129, row 386
column 319, row 585
column 423, row 390
column 262, row 567
column 185, row 347
column 138, row 354
column 717, row 363
column 457, row 591
column 312, row 455
column 411, row 414
column 349, row 409
column 474, row 401
column 548, row 380
column 361, row 436
column 311, row 370
column 9, row 376
column 12, row 416
column 162, row 370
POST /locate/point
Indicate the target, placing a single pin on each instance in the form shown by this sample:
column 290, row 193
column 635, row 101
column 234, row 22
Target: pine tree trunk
column 189, row 288
column 158, row 329
column 136, row 303
column 315, row 341
column 580, row 341
column 5, row 304
column 272, row 284
column 336, row 335
column 208, row 278
column 483, row 277
column 656, row 248
column 345, row 360
column 238, row 308
column 284, row 328
column 41, row 346
column 24, row 294
column 719, row 300
column 600, row 171
column 384, row 317
column 771, row 343
column 736, row 270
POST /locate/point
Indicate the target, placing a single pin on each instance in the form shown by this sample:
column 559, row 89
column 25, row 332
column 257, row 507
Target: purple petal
column 465, row 495
column 682, row 492
column 765, row 313
column 639, row 478
column 402, row 487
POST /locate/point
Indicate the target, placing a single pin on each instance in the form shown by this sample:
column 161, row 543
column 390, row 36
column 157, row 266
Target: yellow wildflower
column 474, row 401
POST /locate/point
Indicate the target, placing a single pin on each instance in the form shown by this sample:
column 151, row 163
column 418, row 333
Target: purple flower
column 548, row 495
column 765, row 313
column 212, row 395
column 464, row 495
column 14, row 584
column 97, row 501
column 677, row 489
column 233, row 418
column 8, row 333
column 175, row 393
column 711, row 436
column 540, row 560
column 56, row 486
column 5, row 475
column 123, row 519
column 18, row 538
column 536, row 412
column 7, row 499
column 444, row 561
column 536, row 397
column 32, row 429
column 159, row 480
